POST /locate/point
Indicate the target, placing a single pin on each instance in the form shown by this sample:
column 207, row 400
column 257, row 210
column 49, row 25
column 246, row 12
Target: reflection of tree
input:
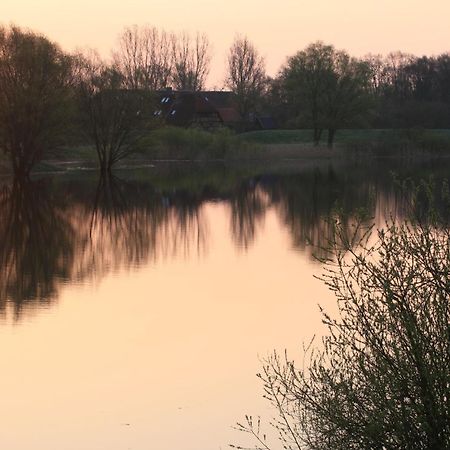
column 73, row 231
column 45, row 240
column 131, row 223
column 36, row 250
column 123, row 225
column 118, row 225
column 308, row 203
column 248, row 209
column 184, row 227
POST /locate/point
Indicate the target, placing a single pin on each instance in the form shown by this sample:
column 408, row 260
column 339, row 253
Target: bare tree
column 246, row 74
column 35, row 77
column 398, row 80
column 377, row 73
column 114, row 118
column 191, row 61
column 144, row 58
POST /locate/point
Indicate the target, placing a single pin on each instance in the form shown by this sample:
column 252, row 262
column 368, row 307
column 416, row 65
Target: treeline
column 412, row 91
column 324, row 88
column 49, row 98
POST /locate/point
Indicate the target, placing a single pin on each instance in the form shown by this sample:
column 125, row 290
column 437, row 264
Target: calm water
column 135, row 311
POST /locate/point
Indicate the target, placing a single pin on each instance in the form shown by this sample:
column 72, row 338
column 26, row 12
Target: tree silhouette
column 35, row 76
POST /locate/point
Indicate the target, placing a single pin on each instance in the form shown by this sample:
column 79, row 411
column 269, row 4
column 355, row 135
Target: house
column 207, row 110
column 203, row 109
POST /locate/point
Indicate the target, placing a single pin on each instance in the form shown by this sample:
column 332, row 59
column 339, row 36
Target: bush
column 382, row 378
column 191, row 143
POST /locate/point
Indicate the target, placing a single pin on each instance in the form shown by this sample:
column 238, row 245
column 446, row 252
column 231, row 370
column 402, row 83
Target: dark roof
column 182, row 110
column 220, row 99
column 203, row 105
column 184, row 107
column 229, row 115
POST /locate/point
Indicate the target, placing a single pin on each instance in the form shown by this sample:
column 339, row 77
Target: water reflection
column 248, row 208
column 131, row 223
column 50, row 236
column 36, row 246
column 59, row 231
column 309, row 203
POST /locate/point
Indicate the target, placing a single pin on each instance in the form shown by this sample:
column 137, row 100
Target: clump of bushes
column 192, row 144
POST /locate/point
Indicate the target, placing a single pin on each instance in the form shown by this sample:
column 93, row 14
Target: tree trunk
column 331, row 135
column 105, row 169
column 20, row 168
column 317, row 135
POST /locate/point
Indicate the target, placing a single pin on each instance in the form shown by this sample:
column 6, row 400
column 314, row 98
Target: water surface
column 135, row 310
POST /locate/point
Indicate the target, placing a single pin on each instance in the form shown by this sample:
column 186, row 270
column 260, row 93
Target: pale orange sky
column 278, row 28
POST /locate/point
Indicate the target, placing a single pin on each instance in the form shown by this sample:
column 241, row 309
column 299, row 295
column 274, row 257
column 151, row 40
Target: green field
column 342, row 136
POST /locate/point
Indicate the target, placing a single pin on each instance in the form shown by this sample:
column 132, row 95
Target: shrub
column 192, row 143
column 381, row 380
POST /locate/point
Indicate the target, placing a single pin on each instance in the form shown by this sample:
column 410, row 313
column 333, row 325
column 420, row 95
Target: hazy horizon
column 374, row 27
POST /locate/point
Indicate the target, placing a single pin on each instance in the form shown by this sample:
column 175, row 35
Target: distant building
column 207, row 110
column 204, row 109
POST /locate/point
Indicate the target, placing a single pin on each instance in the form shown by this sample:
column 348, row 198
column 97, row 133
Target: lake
column 136, row 311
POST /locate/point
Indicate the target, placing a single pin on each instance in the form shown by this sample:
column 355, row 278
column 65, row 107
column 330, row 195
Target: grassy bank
column 342, row 136
column 367, row 142
column 180, row 144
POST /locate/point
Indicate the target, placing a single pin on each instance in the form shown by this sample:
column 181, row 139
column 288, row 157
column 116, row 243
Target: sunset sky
column 278, row 28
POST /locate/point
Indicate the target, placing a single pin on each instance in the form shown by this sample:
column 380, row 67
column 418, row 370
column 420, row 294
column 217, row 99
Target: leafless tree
column 376, row 66
column 114, row 118
column 396, row 76
column 246, row 75
column 191, row 61
column 144, row 58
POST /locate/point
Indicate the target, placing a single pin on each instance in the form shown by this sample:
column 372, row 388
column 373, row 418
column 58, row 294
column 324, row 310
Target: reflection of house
column 205, row 109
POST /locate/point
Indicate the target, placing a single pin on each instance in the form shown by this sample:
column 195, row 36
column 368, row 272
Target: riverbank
column 182, row 145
